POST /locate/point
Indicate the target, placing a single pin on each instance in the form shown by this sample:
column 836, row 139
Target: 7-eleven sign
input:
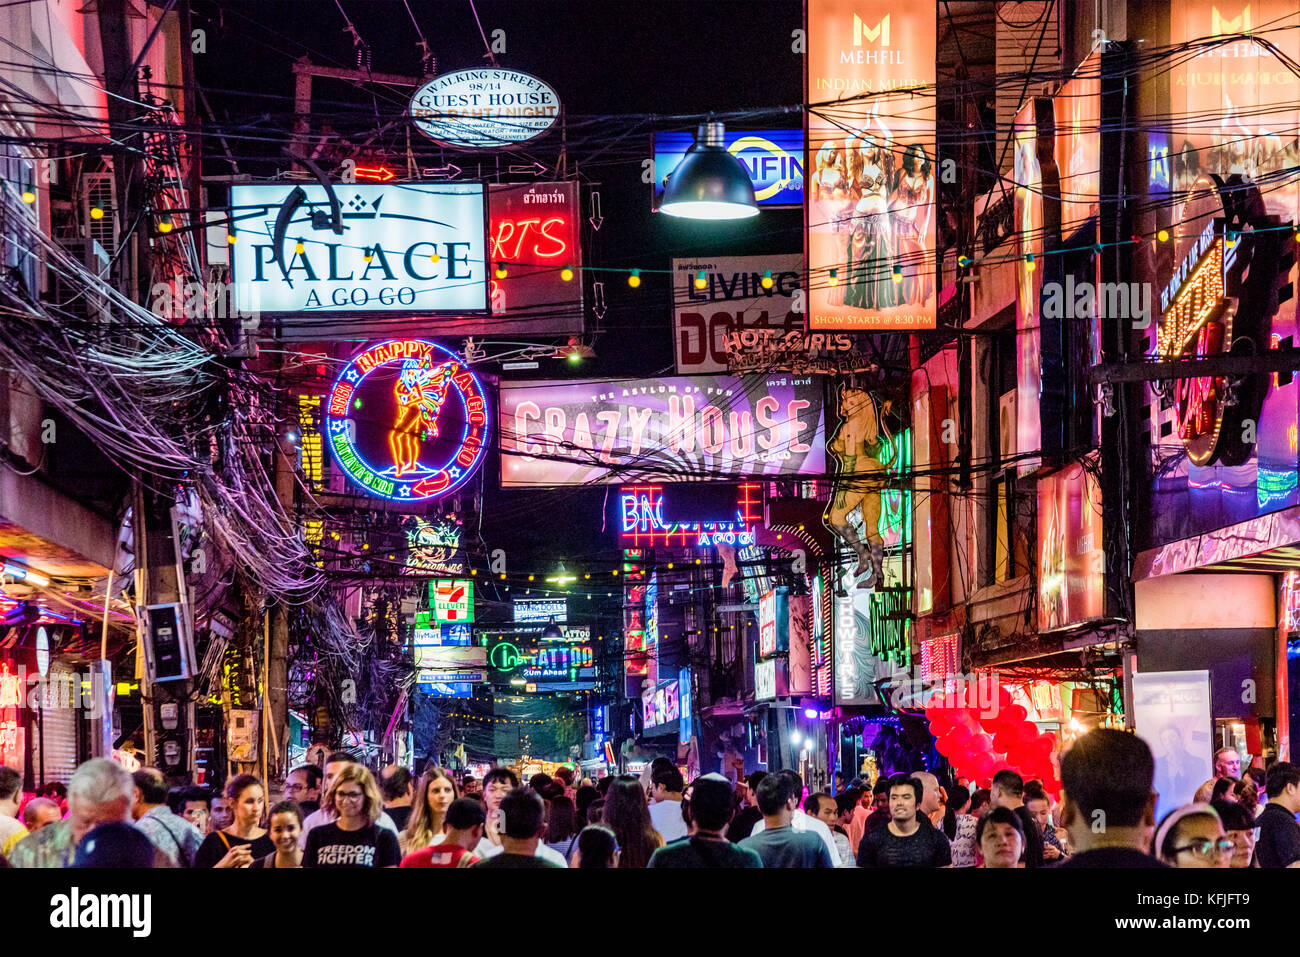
column 452, row 600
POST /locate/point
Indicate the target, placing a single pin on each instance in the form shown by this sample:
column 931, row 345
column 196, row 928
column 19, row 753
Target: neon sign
column 643, row 519
column 558, row 662
column 434, row 546
column 534, row 229
column 453, row 601
column 407, row 421
column 896, row 503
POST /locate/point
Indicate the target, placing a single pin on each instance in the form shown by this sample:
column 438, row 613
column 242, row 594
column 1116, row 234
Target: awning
column 1268, row 543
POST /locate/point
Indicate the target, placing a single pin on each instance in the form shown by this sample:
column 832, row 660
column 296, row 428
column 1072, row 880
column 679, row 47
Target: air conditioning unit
column 1007, row 425
column 99, row 191
column 69, row 294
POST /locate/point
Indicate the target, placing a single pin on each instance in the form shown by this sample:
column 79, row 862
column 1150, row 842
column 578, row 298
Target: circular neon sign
column 406, row 420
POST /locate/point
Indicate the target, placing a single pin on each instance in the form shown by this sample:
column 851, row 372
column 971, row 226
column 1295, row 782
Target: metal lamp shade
column 709, row 183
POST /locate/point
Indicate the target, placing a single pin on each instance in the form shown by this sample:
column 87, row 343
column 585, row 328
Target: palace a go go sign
column 407, row 420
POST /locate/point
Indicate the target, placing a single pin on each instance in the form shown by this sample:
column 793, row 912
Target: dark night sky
column 611, row 62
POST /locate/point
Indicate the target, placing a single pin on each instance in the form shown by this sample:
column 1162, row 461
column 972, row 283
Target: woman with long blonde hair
column 353, row 839
column 433, row 796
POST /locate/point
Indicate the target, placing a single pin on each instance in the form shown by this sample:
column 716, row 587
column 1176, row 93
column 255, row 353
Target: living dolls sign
column 407, row 421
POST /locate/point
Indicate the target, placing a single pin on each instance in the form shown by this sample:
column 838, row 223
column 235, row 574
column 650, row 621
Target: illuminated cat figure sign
column 407, row 421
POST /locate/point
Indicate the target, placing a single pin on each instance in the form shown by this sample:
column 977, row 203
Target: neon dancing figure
column 419, row 392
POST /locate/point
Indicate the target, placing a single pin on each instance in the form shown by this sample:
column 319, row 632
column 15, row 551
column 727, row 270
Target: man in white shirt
column 334, row 766
column 497, row 783
column 804, row 822
column 11, row 796
column 666, row 787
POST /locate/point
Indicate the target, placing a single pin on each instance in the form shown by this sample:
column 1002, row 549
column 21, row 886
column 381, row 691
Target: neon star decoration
column 407, row 420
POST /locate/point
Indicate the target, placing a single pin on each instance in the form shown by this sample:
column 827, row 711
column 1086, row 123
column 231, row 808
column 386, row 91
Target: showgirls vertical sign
column 871, row 146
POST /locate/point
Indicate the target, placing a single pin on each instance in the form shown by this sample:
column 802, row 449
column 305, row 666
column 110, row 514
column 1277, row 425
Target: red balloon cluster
column 981, row 732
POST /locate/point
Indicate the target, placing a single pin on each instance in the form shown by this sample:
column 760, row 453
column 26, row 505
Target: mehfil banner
column 871, row 144
column 672, row 430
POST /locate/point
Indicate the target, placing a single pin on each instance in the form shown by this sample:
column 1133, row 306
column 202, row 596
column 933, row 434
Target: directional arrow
column 428, row 486
column 441, row 172
column 536, row 169
column 376, row 174
column 598, row 307
column 595, row 218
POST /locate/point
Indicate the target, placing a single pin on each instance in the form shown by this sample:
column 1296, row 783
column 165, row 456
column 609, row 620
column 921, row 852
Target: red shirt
column 439, row 855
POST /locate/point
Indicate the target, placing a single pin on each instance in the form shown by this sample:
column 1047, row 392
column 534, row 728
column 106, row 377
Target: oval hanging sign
column 407, row 420
column 484, row 109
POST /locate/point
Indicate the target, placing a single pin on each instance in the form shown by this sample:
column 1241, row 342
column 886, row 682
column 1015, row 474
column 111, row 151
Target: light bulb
column 834, row 277
column 165, row 226
column 500, row 271
column 767, row 282
column 566, row 274
column 96, row 213
column 634, row 278
column 701, row 281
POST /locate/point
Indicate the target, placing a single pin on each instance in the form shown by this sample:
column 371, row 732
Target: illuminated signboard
column 535, row 229
column 559, row 663
column 660, row 704
column 1078, row 144
column 733, row 301
column 941, row 658
column 651, row 643
column 484, row 108
column 773, row 158
column 774, row 622
column 855, row 668
column 448, row 689
column 770, row 679
column 648, row 515
column 433, row 546
column 450, row 658
column 821, row 638
column 1070, row 557
column 407, row 421
column 896, row 503
column 574, row 432
column 871, row 196
column 1194, row 322
column 684, row 696
column 541, row 610
column 453, row 601
column 407, row 247
column 1029, row 242
column 891, row 626
column 1291, row 601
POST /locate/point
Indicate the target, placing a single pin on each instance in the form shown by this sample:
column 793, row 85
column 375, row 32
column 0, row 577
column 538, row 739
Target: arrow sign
column 376, row 174
column 598, row 290
column 441, row 172
column 595, row 218
column 536, row 169
column 428, row 486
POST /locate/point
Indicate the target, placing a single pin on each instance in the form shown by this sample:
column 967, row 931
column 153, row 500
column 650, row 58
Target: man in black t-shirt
column 706, row 807
column 909, row 840
column 1008, row 791
column 398, row 789
column 1108, row 806
column 1279, row 835
column 525, row 822
column 742, row 824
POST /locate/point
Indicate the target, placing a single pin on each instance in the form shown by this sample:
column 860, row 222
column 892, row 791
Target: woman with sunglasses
column 433, row 796
column 353, row 839
column 1192, row 836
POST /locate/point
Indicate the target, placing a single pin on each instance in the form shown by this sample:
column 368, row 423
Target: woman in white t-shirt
column 959, row 826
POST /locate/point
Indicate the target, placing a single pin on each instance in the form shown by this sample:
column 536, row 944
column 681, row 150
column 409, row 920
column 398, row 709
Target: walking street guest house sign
column 484, row 109
column 407, row 421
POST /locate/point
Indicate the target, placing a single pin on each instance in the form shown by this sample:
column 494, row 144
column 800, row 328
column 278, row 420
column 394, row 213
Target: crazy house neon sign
column 406, row 420
column 647, row 518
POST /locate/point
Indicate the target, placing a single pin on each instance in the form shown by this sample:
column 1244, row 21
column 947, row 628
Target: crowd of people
column 345, row 816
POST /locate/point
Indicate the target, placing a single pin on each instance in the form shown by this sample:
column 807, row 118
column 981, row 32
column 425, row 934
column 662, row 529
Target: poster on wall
column 433, row 546
column 1070, row 558
column 1077, row 107
column 733, row 301
column 1172, row 714
column 567, row 432
column 872, row 147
